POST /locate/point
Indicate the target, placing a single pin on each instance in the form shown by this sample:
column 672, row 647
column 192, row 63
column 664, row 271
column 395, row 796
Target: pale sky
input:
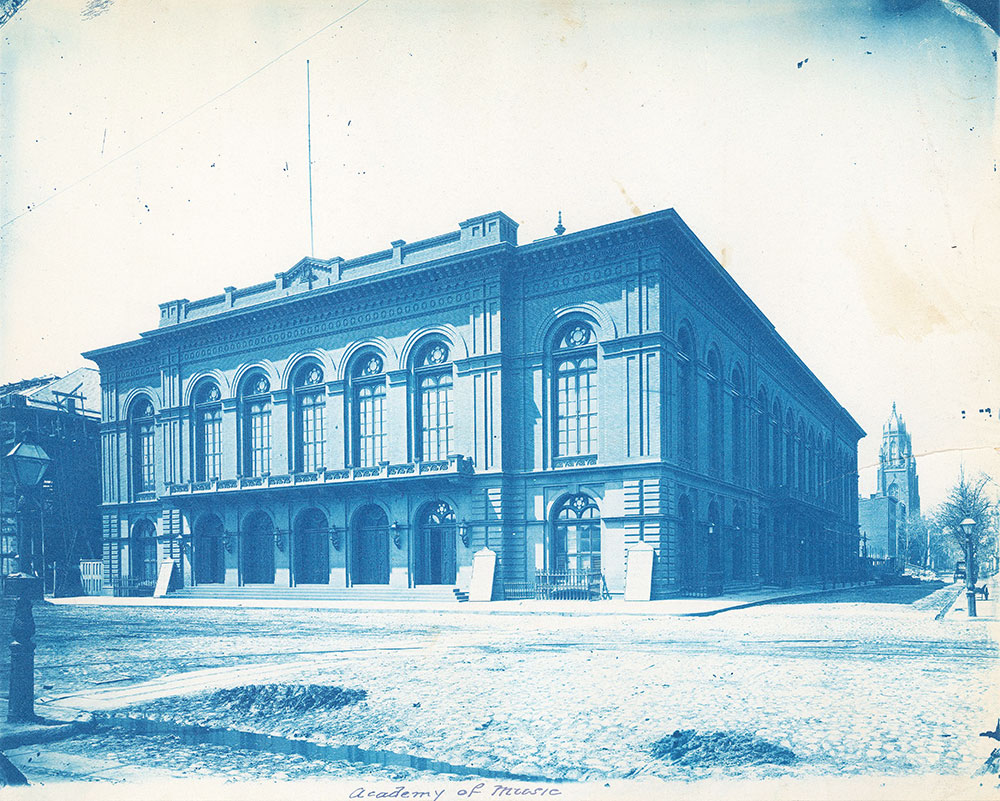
column 161, row 149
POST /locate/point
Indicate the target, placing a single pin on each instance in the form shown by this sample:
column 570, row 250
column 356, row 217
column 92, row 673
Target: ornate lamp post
column 28, row 463
column 970, row 587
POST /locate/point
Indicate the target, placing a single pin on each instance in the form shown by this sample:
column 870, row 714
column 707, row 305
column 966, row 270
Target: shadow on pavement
column 903, row 594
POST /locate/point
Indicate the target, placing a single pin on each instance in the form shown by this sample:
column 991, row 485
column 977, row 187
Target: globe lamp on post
column 28, row 463
column 970, row 587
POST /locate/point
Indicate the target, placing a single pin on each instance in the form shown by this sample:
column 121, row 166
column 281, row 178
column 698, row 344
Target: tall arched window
column 368, row 411
column 207, row 431
column 576, row 534
column 255, row 419
column 776, row 445
column 800, row 449
column 763, row 429
column 715, row 411
column 143, row 557
column 433, row 412
column 789, row 449
column 687, row 396
column 309, row 435
column 143, row 429
column 575, row 390
column 739, row 447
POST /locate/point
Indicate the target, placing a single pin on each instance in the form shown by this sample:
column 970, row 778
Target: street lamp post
column 970, row 586
column 28, row 463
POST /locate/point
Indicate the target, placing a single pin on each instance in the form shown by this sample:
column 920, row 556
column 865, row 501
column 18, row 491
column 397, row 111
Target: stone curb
column 41, row 733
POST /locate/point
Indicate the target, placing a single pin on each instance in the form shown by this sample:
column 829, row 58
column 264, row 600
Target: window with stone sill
column 367, row 411
column 574, row 391
column 309, row 435
column 433, row 403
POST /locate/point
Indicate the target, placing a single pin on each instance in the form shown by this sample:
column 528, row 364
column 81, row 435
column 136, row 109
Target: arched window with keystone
column 433, row 402
column 574, row 390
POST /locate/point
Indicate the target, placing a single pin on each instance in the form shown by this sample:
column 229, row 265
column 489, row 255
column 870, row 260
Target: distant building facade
column 376, row 421
column 62, row 519
column 884, row 515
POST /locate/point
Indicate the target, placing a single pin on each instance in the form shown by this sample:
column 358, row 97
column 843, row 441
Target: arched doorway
column 143, row 558
column 311, row 548
column 435, row 545
column 370, row 546
column 258, row 549
column 576, row 534
column 713, row 556
column 209, row 553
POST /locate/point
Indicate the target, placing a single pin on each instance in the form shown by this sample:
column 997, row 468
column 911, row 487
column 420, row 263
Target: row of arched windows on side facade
column 787, row 454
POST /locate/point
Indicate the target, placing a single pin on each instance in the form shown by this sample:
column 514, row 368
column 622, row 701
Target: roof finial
column 560, row 229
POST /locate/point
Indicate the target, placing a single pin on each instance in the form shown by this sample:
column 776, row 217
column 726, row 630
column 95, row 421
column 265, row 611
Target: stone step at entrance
column 322, row 592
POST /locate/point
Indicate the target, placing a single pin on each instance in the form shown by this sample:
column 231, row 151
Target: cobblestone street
column 868, row 683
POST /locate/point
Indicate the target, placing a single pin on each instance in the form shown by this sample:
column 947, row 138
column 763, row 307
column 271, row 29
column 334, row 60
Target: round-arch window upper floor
column 367, row 425
column 208, row 431
column 574, row 390
column 255, row 422
column 309, row 417
column 142, row 431
column 433, row 404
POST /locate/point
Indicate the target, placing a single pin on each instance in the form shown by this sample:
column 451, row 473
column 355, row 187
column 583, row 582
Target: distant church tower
column 897, row 472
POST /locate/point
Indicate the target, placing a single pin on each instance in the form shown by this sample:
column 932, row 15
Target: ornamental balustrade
column 453, row 465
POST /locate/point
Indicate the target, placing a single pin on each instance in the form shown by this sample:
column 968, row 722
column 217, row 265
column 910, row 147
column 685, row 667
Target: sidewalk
column 674, row 607
column 987, row 611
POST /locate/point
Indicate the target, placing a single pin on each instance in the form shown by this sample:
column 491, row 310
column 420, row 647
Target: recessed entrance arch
column 370, row 546
column 435, row 545
column 311, row 548
column 144, row 565
column 209, row 553
column 257, row 563
column 576, row 534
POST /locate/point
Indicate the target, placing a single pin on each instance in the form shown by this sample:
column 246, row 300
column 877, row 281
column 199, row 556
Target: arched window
column 255, row 421
column 715, row 411
column 576, row 534
column 435, row 544
column 367, row 409
column 207, row 432
column 763, row 430
column 789, row 449
column 143, row 428
column 144, row 557
column 574, row 390
column 739, row 447
column 776, row 445
column 433, row 411
column 309, row 437
column 687, row 396
column 800, row 448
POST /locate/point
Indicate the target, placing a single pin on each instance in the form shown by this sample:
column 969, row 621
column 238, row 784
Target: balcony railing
column 453, row 465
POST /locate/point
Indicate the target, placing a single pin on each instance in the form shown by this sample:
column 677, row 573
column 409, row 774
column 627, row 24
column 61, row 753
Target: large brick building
column 375, row 421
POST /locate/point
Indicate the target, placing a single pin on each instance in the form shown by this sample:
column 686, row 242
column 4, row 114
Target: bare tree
column 968, row 499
